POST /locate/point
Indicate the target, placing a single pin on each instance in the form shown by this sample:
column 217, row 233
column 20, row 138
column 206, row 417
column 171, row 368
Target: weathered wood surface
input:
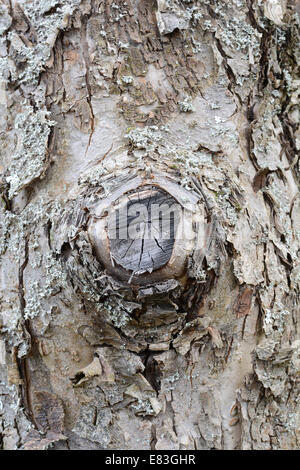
column 145, row 228
column 198, row 98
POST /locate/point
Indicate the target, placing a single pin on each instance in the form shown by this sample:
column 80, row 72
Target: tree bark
column 198, row 99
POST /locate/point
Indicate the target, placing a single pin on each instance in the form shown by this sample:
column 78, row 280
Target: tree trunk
column 174, row 343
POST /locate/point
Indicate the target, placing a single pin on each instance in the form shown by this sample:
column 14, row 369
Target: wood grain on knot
column 145, row 229
column 142, row 229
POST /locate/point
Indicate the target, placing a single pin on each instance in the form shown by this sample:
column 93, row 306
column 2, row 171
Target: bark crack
column 22, row 363
column 228, row 70
column 85, row 54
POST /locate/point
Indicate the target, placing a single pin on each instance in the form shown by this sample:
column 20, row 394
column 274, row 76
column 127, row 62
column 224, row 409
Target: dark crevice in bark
column 251, row 16
column 85, row 54
column 229, row 348
column 153, row 440
column 48, row 233
column 266, row 274
column 248, row 131
column 16, row 426
column 23, row 362
column 26, row 392
column 229, row 71
column 52, row 10
column 4, row 191
column 289, row 145
column 264, row 59
column 76, row 379
column 152, row 371
column 21, row 277
column 66, row 251
column 173, row 414
column 95, row 417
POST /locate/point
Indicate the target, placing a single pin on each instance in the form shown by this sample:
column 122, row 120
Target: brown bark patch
column 49, row 416
column 243, row 303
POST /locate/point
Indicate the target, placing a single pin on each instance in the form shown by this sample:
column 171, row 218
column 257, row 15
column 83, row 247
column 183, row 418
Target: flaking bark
column 96, row 96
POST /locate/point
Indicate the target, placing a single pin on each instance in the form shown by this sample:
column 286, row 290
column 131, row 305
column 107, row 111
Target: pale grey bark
column 94, row 94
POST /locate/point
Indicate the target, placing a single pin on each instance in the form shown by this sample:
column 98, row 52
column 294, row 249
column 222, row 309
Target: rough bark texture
column 204, row 94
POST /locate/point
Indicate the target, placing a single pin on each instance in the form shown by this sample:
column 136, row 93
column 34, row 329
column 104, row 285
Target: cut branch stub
column 146, row 233
column 141, row 230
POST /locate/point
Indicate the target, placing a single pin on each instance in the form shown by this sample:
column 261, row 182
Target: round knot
column 141, row 230
column 146, row 232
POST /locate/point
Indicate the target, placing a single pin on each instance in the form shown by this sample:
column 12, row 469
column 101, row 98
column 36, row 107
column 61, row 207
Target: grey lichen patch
column 24, row 58
column 117, row 313
column 146, row 403
column 147, row 137
column 54, row 280
column 30, row 58
column 239, row 35
column 16, row 227
column 93, row 176
column 93, row 422
column 169, row 382
column 5, row 19
column 176, row 157
column 7, row 220
column 127, row 79
column 18, row 232
column 146, row 406
column 230, row 207
column 158, row 142
column 219, row 128
column 275, row 319
column 277, row 368
column 186, row 105
column 30, row 158
column 12, row 412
